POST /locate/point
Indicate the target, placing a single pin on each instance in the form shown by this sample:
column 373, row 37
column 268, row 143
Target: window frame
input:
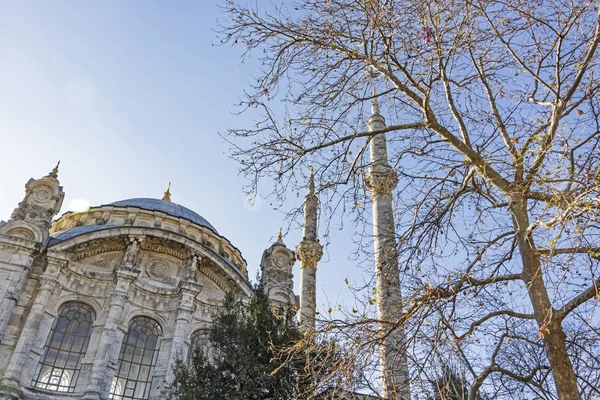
column 58, row 369
column 137, row 359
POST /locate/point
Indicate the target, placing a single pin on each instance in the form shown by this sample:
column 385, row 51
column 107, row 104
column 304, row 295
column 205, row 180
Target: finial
column 54, row 172
column 167, row 194
column 311, row 181
column 374, row 103
column 280, row 236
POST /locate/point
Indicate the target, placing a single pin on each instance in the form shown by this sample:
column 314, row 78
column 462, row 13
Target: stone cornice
column 19, row 244
column 188, row 246
column 126, row 217
column 95, row 247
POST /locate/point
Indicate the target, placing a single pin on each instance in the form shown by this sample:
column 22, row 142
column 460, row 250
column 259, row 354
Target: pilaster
column 188, row 292
column 15, row 271
column 14, row 376
column 105, row 362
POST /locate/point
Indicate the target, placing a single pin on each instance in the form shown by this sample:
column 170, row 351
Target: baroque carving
column 131, row 252
column 190, row 274
column 309, row 252
column 43, row 198
column 165, row 246
column 98, row 246
column 381, row 179
column 158, row 270
column 118, row 298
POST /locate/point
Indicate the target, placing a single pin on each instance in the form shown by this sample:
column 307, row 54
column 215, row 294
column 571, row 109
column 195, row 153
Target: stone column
column 381, row 180
column 107, row 354
column 309, row 252
column 14, row 375
column 185, row 310
column 26, row 256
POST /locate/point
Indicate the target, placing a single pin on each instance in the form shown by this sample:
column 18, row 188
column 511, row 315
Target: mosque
column 99, row 304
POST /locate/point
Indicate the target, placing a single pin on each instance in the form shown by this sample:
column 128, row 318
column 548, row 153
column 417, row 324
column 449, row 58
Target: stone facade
column 276, row 273
column 99, row 304
column 137, row 264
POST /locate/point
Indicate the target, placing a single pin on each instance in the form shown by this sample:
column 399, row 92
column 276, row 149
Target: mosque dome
column 137, row 216
column 167, row 207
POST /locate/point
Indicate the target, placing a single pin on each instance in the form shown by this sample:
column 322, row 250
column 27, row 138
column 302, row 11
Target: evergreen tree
column 451, row 385
column 245, row 365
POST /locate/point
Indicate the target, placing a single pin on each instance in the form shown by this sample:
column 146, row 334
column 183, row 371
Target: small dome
column 167, row 207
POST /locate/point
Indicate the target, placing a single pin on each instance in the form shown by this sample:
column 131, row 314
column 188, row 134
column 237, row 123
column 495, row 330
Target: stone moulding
column 225, row 267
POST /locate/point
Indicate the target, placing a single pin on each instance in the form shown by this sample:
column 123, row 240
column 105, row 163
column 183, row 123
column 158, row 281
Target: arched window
column 199, row 339
column 67, row 343
column 137, row 359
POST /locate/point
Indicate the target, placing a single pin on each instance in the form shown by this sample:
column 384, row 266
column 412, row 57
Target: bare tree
column 493, row 129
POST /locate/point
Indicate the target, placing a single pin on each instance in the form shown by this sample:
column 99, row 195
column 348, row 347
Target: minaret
column 381, row 179
column 309, row 252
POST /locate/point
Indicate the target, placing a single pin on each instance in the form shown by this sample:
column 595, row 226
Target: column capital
column 118, row 298
column 309, row 252
column 126, row 272
column 187, row 287
column 381, row 179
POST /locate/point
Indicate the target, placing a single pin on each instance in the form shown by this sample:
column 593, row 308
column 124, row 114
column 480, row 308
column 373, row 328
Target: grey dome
column 167, row 207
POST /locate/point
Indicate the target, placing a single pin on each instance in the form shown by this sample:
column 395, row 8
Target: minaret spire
column 311, row 182
column 167, row 194
column 381, row 179
column 309, row 252
column 375, row 103
column 54, row 172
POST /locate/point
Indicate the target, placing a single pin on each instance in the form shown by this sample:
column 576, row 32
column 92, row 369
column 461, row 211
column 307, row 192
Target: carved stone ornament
column 381, row 179
column 280, row 260
column 190, row 273
column 43, row 199
column 118, row 298
column 309, row 252
column 131, row 253
column 158, row 270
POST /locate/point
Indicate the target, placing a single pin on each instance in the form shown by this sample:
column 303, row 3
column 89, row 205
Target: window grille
column 66, row 345
column 137, row 359
column 199, row 339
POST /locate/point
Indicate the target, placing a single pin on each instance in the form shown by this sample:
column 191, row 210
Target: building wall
column 88, row 273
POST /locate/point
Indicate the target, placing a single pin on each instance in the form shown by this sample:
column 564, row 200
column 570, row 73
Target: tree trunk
column 550, row 326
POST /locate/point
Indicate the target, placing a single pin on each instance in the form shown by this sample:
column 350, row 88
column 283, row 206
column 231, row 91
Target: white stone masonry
column 381, row 180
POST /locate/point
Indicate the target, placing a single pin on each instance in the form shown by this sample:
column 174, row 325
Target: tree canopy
column 492, row 112
column 248, row 357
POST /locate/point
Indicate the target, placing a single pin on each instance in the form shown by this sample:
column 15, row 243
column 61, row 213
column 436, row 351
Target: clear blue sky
column 129, row 96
